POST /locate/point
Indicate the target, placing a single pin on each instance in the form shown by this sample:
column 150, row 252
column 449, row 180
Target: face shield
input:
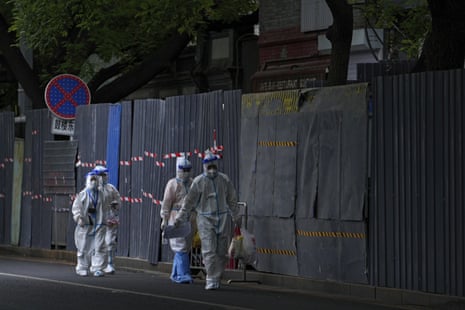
column 102, row 172
column 210, row 165
column 183, row 169
column 183, row 174
column 104, row 177
column 92, row 181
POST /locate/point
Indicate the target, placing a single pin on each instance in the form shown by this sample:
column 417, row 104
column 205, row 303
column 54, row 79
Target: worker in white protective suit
column 213, row 197
column 89, row 213
column 112, row 200
column 175, row 191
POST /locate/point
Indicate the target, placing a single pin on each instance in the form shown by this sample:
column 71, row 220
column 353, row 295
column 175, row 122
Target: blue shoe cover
column 181, row 272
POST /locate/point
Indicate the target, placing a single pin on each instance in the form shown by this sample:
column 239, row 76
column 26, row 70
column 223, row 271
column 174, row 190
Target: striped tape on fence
column 150, row 154
column 131, row 200
column 331, row 234
column 150, row 196
column 137, row 158
column 277, row 143
column 176, row 154
column 276, row 251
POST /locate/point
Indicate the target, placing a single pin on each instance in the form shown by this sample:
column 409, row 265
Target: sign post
column 62, row 95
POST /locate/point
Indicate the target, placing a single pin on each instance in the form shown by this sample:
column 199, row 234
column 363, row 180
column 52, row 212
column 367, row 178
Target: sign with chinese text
column 62, row 126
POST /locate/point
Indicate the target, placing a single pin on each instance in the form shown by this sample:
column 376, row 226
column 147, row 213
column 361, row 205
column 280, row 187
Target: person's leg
column 82, row 242
column 183, row 268
column 99, row 251
column 110, row 241
column 211, row 260
column 174, row 270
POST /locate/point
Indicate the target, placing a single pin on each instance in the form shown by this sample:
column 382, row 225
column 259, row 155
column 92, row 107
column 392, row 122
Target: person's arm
column 167, row 204
column 76, row 209
column 189, row 203
column 116, row 199
column 231, row 200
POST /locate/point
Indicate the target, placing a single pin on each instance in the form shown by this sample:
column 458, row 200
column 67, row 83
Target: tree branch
column 19, row 66
column 144, row 72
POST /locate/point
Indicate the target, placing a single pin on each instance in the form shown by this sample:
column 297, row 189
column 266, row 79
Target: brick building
column 286, row 50
column 293, row 49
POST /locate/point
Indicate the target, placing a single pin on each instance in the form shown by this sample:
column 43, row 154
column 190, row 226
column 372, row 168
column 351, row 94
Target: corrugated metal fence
column 303, row 175
column 7, row 139
column 151, row 131
column 417, row 201
column 415, row 223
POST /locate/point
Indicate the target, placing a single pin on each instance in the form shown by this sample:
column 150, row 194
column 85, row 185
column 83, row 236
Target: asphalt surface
column 34, row 283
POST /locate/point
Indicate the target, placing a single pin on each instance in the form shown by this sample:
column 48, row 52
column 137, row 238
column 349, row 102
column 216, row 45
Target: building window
column 314, row 15
column 220, row 48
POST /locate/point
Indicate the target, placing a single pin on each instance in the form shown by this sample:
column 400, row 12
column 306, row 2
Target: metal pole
column 244, row 266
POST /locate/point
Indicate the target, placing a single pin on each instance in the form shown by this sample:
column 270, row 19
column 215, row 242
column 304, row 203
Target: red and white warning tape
column 149, row 154
column 149, row 195
column 131, row 200
column 137, row 158
column 91, row 165
column 176, row 154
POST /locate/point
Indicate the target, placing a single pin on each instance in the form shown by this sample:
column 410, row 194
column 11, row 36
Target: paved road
column 40, row 284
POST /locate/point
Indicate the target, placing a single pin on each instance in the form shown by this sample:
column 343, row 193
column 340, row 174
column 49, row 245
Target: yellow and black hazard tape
column 277, row 143
column 276, row 251
column 331, row 234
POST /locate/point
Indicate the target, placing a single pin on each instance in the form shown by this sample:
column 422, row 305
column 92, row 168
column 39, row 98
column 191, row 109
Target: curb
column 388, row 296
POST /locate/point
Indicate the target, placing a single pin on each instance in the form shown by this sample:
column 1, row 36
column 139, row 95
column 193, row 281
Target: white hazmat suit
column 213, row 197
column 89, row 212
column 112, row 201
column 175, row 191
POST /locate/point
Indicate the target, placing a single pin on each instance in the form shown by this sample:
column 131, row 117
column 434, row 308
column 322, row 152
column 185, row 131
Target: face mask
column 212, row 172
column 93, row 184
column 104, row 179
column 183, row 175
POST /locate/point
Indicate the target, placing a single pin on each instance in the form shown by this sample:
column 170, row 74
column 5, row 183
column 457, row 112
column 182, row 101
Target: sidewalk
column 366, row 292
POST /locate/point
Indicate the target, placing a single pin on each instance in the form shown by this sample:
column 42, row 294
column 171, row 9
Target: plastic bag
column 249, row 249
column 235, row 247
column 243, row 247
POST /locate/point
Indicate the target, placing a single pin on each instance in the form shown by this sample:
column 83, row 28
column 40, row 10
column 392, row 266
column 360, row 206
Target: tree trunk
column 444, row 46
column 19, row 66
column 340, row 35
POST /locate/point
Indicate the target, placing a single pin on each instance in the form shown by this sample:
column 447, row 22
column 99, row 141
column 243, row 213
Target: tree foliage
column 409, row 21
column 123, row 34
column 430, row 31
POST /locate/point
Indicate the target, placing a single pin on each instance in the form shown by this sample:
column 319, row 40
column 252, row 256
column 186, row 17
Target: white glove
column 81, row 222
column 164, row 223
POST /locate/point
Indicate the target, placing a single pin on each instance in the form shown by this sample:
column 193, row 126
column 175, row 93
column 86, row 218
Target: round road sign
column 64, row 93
